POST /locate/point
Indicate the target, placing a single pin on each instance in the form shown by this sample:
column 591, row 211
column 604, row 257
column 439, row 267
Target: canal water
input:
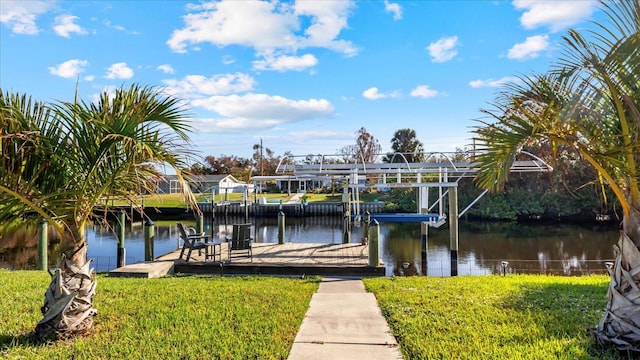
column 482, row 248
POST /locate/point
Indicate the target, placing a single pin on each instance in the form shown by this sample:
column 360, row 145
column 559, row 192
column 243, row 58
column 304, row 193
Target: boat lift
column 441, row 173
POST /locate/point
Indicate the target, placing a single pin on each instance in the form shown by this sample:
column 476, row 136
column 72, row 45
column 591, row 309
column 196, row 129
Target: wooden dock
column 268, row 259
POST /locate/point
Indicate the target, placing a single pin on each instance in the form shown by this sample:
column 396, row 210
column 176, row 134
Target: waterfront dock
column 299, row 259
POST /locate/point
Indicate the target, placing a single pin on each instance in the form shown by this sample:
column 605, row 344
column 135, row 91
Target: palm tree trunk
column 620, row 325
column 68, row 306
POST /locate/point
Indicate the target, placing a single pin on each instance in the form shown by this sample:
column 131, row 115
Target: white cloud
column 373, row 94
column 493, row 83
column 530, row 48
column 20, row 16
column 64, row 26
column 228, row 59
column 117, row 27
column 328, row 18
column 444, row 49
column 393, row 8
column 234, row 23
column 278, row 31
column 258, row 111
column 284, row 63
column 424, row 91
column 166, row 68
column 315, row 134
column 119, row 71
column 557, row 14
column 196, row 86
column 69, row 69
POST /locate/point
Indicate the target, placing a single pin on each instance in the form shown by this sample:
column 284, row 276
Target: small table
column 210, row 250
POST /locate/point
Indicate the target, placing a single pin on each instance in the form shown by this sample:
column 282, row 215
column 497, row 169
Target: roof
column 209, row 178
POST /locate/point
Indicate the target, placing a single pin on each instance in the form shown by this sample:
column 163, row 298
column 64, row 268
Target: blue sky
column 302, row 76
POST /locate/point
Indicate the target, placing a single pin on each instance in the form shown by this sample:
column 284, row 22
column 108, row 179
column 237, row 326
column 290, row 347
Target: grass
column 493, row 317
column 180, row 317
column 196, row 317
column 176, row 201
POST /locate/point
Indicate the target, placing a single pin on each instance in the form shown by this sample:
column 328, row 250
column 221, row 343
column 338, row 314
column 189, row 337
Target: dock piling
column 424, row 236
column 346, row 227
column 453, row 229
column 149, row 237
column 121, row 250
column 200, row 223
column 281, row 223
column 367, row 221
column 43, row 245
column 374, row 232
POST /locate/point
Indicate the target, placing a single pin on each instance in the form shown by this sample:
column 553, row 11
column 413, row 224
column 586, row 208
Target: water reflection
column 552, row 249
column 557, row 249
column 18, row 249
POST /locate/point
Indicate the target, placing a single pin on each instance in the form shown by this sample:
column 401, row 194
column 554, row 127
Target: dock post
column 200, row 223
column 424, row 236
column 346, row 224
column 149, row 237
column 367, row 220
column 453, row 229
column 281, row 227
column 43, row 245
column 120, row 262
column 374, row 257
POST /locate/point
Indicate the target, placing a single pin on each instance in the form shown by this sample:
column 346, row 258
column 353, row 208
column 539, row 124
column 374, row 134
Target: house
column 293, row 183
column 218, row 184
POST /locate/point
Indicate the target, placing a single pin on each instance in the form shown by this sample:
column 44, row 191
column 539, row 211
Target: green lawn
column 176, row 201
column 494, row 317
column 181, row 317
column 203, row 317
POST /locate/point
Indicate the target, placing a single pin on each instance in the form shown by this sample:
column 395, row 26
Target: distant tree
column 461, row 155
column 365, row 150
column 287, row 158
column 265, row 161
column 200, row 169
column 405, row 145
column 311, row 159
column 223, row 165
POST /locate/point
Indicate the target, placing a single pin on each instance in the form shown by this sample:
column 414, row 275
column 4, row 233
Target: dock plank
column 292, row 258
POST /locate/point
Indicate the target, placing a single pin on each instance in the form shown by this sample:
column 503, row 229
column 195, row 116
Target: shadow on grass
column 567, row 310
column 25, row 340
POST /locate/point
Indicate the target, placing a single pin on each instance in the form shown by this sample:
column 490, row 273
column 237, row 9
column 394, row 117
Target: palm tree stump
column 620, row 324
column 68, row 307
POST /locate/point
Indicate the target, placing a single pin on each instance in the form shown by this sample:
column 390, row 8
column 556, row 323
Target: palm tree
column 406, row 146
column 60, row 161
column 589, row 103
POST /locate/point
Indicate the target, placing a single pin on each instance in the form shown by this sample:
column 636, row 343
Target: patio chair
column 240, row 242
column 192, row 242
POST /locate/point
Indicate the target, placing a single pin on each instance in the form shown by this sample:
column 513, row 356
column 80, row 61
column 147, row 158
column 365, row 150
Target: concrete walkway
column 295, row 198
column 344, row 322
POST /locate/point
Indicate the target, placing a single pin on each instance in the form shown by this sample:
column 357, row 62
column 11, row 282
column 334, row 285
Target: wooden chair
column 193, row 242
column 240, row 242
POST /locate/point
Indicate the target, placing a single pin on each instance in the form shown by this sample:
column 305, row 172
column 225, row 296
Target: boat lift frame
column 445, row 171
